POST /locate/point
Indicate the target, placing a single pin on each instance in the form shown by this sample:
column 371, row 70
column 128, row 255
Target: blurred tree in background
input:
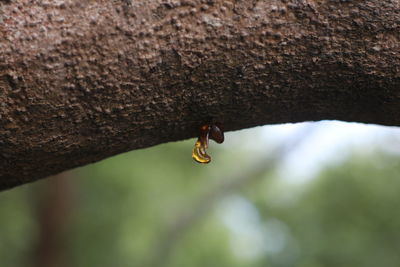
column 156, row 207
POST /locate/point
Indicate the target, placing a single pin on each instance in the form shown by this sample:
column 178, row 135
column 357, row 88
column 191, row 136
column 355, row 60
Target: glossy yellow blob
column 199, row 153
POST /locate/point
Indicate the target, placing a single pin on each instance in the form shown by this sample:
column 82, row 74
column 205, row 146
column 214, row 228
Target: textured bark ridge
column 84, row 80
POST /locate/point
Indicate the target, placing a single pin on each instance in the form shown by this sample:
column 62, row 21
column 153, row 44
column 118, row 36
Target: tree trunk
column 84, row 80
column 55, row 205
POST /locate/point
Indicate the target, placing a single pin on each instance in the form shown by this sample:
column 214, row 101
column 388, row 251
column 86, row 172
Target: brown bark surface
column 84, row 80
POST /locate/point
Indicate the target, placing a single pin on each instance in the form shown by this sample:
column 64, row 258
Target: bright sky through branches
column 330, row 142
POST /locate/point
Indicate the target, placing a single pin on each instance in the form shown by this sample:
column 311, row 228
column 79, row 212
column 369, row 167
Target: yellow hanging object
column 213, row 132
column 199, row 153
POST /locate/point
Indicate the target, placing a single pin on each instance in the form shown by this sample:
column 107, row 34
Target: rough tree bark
column 84, row 80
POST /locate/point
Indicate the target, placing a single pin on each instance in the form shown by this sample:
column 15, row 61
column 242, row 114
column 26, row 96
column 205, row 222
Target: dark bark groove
column 84, row 80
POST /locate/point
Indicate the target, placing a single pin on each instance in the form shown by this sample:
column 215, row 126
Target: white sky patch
column 250, row 237
column 329, row 142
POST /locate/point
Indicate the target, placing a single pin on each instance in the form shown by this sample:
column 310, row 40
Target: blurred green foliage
column 144, row 208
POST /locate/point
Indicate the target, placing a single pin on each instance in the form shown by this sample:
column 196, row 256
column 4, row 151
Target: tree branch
column 81, row 81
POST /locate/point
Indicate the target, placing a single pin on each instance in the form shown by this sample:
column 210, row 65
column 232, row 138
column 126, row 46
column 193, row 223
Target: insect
column 213, row 131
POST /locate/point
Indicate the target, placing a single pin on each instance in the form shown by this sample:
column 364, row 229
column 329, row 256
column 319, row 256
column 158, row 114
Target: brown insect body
column 217, row 133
